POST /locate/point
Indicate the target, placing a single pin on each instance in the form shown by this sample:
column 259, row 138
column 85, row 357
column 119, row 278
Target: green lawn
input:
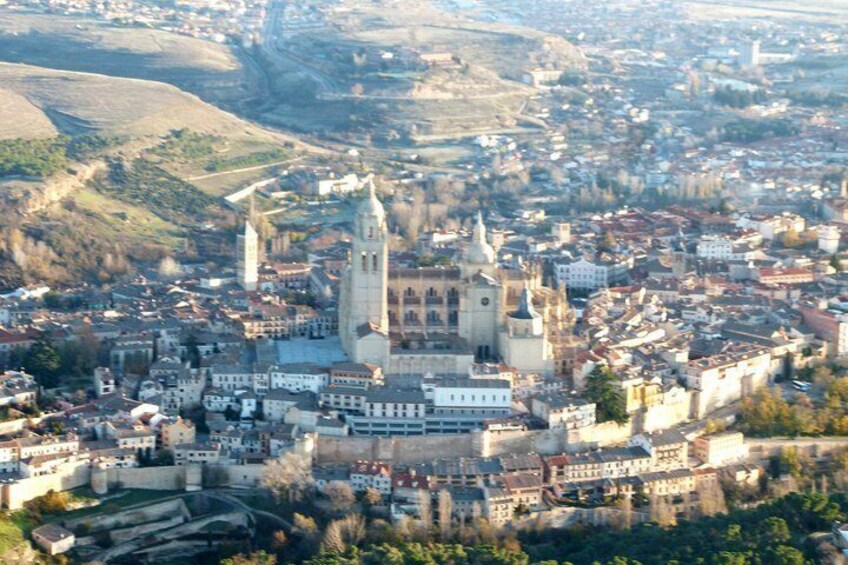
column 114, row 501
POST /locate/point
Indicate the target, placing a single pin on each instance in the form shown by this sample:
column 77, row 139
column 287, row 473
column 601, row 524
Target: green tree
column 43, row 362
column 786, row 555
column 603, row 389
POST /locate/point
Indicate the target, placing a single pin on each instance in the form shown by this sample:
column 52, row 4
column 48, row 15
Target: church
column 441, row 320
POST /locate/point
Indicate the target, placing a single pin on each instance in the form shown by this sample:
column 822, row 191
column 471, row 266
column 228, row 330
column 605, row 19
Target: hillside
column 371, row 76
column 83, row 103
column 209, row 70
column 106, row 189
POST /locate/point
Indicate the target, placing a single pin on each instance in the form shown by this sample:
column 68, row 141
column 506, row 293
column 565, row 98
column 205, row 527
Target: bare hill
column 80, row 103
column 202, row 67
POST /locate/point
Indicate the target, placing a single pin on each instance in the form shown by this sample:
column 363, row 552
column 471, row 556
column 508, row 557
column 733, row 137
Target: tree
column 288, row 477
column 43, row 361
column 304, row 525
column 255, row 558
column 792, row 239
column 602, row 388
column 343, row 533
column 372, row 497
column 786, row 555
column 775, row 530
column 836, row 263
column 608, row 243
column 445, row 513
column 279, row 539
column 340, row 494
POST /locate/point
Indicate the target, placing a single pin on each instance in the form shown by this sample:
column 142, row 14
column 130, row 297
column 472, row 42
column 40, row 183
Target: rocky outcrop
column 30, row 197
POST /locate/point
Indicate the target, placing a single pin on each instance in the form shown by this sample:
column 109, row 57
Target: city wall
column 12, row 427
column 399, row 449
column 762, row 449
column 417, row 449
column 102, row 481
column 151, row 478
column 72, row 476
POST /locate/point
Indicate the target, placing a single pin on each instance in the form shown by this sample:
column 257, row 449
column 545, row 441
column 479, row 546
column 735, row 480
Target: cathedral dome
column 480, row 252
column 371, row 206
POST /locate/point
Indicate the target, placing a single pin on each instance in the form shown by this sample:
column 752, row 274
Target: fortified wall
column 478, row 443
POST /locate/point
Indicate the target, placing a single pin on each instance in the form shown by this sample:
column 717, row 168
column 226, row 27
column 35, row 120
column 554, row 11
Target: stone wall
column 399, row 449
column 417, row 449
column 151, row 478
column 12, row 427
column 72, row 475
column 544, row 442
column 243, row 475
column 155, row 512
column 600, row 435
column 760, row 450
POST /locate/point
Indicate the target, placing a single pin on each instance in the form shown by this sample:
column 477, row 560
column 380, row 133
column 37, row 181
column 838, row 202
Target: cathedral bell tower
column 481, row 299
column 364, row 311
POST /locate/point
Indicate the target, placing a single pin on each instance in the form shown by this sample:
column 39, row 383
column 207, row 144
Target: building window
column 374, row 262
column 364, row 262
column 409, row 293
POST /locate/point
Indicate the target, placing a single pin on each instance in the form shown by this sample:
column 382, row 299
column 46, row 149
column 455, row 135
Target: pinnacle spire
column 480, row 228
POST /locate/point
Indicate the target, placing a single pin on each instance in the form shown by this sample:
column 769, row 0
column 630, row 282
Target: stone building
column 440, row 320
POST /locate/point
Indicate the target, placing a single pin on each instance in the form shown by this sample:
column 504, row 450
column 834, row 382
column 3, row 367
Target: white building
column 344, row 185
column 591, row 275
column 371, row 474
column 749, row 54
column 828, row 239
column 562, row 411
column 722, row 379
column 104, row 381
column 773, row 226
column 247, row 258
column 721, row 449
column 298, row 377
column 473, row 396
column 714, row 247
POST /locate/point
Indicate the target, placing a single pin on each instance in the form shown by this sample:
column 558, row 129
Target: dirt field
column 834, row 11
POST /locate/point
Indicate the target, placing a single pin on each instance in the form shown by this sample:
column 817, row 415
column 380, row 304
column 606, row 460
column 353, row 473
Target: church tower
column 247, row 258
column 479, row 255
column 524, row 339
column 480, row 303
column 363, row 308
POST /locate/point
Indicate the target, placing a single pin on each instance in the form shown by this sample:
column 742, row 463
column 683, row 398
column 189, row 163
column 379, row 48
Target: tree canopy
column 602, row 388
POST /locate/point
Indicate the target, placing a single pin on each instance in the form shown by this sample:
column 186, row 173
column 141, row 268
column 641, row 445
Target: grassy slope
column 75, row 44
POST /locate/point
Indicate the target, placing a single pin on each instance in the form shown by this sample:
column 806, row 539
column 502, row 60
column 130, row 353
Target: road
column 245, row 169
column 226, row 497
column 271, row 44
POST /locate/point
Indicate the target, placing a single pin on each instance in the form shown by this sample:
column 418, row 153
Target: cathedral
column 441, row 320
